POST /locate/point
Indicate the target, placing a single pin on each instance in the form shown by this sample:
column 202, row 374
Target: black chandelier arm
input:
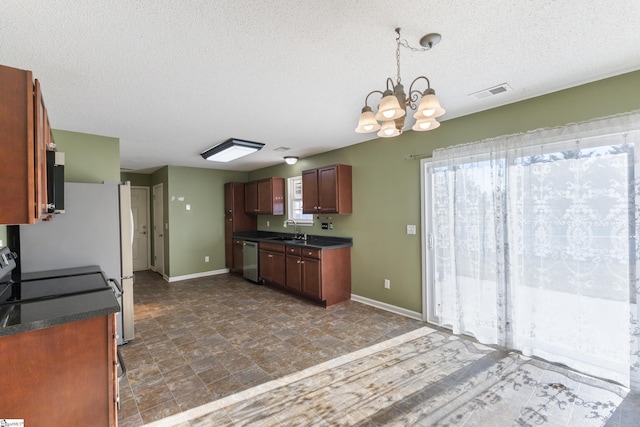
column 390, row 85
column 366, row 100
column 415, row 93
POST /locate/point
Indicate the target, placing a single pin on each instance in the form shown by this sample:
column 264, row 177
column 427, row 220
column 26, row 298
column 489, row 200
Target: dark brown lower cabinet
column 237, row 262
column 322, row 275
column 272, row 264
column 63, row 375
column 293, row 273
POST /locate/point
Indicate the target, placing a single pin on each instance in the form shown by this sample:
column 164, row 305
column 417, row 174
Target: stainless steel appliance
column 250, row 261
column 96, row 229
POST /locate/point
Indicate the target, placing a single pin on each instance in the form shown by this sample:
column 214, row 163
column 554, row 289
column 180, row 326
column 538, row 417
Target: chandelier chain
column 398, row 57
column 404, row 44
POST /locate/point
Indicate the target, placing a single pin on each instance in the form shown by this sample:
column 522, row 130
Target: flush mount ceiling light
column 393, row 105
column 291, row 160
column 231, row 149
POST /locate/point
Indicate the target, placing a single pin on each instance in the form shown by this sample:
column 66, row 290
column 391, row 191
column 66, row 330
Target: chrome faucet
column 295, row 227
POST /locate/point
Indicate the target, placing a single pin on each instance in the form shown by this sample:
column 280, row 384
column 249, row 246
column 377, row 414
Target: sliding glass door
column 533, row 247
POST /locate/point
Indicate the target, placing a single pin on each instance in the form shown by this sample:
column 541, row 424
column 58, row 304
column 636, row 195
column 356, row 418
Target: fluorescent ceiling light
column 230, row 150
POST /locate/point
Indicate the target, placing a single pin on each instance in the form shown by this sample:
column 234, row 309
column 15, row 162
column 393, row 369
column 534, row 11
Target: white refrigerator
column 96, row 229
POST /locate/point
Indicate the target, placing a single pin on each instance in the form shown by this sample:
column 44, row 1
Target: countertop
column 317, row 242
column 91, row 297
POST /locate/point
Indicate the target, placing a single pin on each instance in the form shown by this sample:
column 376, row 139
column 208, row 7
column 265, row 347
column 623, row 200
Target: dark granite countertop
column 45, row 302
column 317, row 242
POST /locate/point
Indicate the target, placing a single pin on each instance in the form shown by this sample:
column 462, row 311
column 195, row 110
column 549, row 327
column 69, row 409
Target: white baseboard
column 387, row 307
column 196, row 275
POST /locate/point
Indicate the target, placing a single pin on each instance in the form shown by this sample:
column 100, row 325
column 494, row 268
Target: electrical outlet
column 206, row 259
column 387, row 284
column 325, row 225
column 330, row 226
column 188, row 206
column 411, row 229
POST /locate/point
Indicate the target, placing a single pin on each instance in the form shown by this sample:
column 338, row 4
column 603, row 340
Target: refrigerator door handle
column 117, row 285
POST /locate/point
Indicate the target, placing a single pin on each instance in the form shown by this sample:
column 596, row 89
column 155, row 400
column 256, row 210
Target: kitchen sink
column 285, row 239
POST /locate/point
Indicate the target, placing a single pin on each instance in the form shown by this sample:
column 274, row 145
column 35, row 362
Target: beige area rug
column 422, row 378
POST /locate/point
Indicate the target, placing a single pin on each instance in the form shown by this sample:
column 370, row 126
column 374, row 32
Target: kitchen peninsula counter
column 43, row 300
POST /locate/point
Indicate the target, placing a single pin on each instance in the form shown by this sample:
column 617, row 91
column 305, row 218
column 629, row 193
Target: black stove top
column 42, row 285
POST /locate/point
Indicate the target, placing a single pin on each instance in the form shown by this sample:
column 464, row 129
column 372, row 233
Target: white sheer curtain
column 535, row 243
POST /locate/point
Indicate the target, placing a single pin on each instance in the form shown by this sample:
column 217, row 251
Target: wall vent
column 501, row 88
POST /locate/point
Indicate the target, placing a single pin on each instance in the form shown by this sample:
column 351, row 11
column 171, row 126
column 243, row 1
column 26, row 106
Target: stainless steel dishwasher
column 250, row 261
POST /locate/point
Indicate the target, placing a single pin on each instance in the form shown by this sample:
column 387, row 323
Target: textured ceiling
column 172, row 78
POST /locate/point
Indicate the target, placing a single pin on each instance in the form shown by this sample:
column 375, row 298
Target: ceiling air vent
column 282, row 149
column 504, row 87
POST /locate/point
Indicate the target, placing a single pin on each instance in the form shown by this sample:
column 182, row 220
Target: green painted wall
column 198, row 232
column 386, row 186
column 136, row 179
column 89, row 158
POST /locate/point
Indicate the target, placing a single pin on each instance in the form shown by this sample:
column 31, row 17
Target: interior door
column 141, row 241
column 158, row 228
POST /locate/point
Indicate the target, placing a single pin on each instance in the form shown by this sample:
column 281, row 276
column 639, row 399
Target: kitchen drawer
column 292, row 250
column 311, row 253
column 274, row 247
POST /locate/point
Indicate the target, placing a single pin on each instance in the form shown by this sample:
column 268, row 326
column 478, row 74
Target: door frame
column 148, row 221
column 429, row 312
column 158, row 221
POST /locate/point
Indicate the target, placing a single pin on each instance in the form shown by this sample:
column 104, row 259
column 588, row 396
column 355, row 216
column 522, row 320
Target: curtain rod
column 417, row 156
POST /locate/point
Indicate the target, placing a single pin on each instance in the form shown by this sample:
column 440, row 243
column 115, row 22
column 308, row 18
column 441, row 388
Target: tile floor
column 203, row 339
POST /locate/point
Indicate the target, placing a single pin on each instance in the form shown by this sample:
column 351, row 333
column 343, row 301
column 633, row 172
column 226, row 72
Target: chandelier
column 393, row 105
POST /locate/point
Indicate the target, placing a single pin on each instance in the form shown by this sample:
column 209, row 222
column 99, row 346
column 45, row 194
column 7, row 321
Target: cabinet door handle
column 298, row 262
column 301, row 262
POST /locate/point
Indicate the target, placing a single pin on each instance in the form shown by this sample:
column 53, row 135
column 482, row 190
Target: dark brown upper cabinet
column 327, row 190
column 264, row 197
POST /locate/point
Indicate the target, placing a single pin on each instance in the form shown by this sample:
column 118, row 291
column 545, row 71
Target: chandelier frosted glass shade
column 425, row 124
column 389, row 108
column 367, row 122
column 388, row 129
column 429, row 106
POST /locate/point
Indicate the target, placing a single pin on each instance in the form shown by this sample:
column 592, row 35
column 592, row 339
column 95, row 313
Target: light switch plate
column 411, row 229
